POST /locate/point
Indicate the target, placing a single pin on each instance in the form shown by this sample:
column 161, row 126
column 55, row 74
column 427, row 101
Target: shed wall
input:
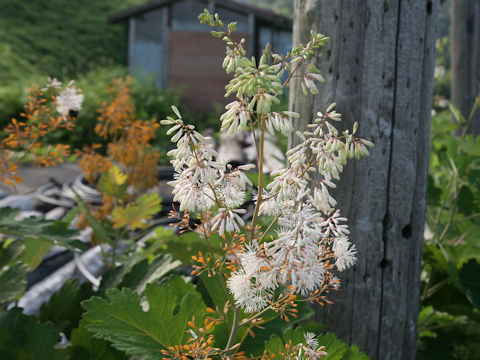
column 196, row 63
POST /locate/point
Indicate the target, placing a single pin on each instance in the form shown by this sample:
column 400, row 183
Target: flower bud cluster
column 200, row 182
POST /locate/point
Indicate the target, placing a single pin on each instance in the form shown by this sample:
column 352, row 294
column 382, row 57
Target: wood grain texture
column 378, row 67
column 465, row 57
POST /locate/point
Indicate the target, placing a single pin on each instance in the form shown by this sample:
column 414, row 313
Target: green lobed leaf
column 113, row 183
column 13, row 272
column 64, row 309
column 85, row 346
column 466, row 201
column 274, row 325
column 122, row 320
column 336, row 348
column 35, row 251
column 145, row 272
column 23, row 337
column 134, row 215
column 36, row 227
column 469, row 276
column 433, row 193
column 136, row 275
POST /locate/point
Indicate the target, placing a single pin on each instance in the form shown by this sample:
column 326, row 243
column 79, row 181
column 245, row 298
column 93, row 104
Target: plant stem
column 234, row 330
column 260, row 176
column 269, row 228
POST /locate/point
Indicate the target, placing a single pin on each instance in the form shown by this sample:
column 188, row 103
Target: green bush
column 449, row 320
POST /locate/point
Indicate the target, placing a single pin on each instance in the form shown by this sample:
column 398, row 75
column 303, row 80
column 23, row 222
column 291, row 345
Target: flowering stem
column 291, row 74
column 260, row 313
column 269, row 228
column 234, row 330
column 260, row 177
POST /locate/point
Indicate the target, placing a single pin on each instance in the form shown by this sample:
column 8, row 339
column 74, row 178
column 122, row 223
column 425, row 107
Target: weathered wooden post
column 465, row 57
column 378, row 67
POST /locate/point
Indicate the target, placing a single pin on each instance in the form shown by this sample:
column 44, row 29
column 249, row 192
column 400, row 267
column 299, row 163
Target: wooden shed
column 166, row 40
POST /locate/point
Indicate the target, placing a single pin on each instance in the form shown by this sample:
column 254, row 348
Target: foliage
column 449, row 322
column 249, row 287
column 286, row 346
column 284, row 7
column 135, row 331
column 13, row 272
column 23, row 337
column 63, row 309
column 127, row 162
column 58, row 38
column 240, row 309
column 51, row 232
column 43, row 114
column 85, row 346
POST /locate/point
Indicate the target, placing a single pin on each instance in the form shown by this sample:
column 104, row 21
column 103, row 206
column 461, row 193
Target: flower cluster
column 69, row 101
column 307, row 239
column 312, row 234
column 201, row 182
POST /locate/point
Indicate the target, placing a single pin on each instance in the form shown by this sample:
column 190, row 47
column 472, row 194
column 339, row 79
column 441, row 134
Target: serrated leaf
column 433, row 193
column 469, row 280
column 466, row 201
column 36, row 227
column 336, row 348
column 84, row 346
column 135, row 215
column 10, row 251
column 34, row 252
column 112, row 183
column 333, row 346
column 143, row 272
column 13, row 272
column 123, row 322
column 471, row 145
column 215, row 291
column 136, row 274
column 274, row 325
column 22, row 337
column 63, row 309
column 274, row 345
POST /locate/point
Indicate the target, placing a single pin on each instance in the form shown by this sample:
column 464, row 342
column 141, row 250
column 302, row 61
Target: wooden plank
column 378, row 67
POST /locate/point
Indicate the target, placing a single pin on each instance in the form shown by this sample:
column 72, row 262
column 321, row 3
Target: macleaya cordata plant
column 264, row 272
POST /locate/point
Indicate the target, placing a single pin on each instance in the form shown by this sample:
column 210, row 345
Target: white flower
column 69, row 99
column 311, row 348
column 287, row 183
column 236, row 118
column 280, row 122
column 321, row 197
column 228, row 220
column 231, row 187
column 192, row 195
column 344, row 253
column 311, row 340
column 246, row 294
column 332, row 224
column 52, row 84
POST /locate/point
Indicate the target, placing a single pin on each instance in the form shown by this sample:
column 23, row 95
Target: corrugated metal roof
column 268, row 16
